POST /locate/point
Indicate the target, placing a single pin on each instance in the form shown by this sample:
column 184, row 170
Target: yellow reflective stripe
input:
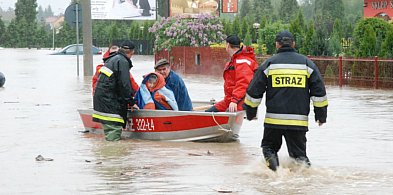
column 288, row 71
column 320, row 104
column 106, row 118
column 108, row 72
column 286, row 122
column 319, row 101
column 250, row 103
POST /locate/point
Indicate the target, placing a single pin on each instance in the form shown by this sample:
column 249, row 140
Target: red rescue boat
column 175, row 125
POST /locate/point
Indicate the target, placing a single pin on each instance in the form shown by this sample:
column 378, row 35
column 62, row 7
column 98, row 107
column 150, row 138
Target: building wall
column 196, row 60
column 373, row 8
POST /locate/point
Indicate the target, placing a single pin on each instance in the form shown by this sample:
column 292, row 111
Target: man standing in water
column 113, row 93
column 290, row 80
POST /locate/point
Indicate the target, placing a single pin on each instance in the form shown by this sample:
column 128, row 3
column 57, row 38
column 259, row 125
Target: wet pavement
column 351, row 154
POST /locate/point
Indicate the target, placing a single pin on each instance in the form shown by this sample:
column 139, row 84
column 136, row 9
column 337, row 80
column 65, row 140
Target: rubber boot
column 271, row 158
column 272, row 162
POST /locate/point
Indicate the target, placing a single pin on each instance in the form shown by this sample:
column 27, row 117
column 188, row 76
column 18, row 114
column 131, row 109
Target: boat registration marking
column 142, row 124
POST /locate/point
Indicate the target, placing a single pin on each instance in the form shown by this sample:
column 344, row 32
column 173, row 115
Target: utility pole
column 87, row 38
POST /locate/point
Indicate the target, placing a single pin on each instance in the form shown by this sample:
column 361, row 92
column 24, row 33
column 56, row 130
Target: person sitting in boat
column 113, row 48
column 175, row 83
column 153, row 95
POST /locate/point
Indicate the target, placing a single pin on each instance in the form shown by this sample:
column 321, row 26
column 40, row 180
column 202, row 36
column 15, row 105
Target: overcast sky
column 58, row 6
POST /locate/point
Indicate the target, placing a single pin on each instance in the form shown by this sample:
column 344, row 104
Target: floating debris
column 131, row 173
column 41, row 158
column 193, row 154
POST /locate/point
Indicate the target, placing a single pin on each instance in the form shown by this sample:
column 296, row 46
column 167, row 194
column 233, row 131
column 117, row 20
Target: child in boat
column 153, row 94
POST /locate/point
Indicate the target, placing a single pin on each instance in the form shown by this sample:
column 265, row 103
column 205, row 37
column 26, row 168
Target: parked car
column 71, row 50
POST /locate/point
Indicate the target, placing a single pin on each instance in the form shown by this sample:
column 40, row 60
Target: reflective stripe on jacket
column 290, row 80
column 113, row 90
column 237, row 75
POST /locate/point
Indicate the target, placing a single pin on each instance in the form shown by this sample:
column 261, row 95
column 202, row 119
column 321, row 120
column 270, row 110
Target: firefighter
column 290, row 80
column 113, row 93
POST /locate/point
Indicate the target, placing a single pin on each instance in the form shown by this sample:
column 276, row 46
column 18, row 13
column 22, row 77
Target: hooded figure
column 153, row 94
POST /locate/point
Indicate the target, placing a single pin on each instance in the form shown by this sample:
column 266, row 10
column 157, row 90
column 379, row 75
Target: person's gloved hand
column 251, row 112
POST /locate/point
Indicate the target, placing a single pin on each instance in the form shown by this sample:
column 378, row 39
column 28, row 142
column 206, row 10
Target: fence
column 358, row 72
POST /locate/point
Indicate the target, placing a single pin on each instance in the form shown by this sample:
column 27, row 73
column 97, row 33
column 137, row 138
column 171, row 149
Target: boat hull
column 175, row 125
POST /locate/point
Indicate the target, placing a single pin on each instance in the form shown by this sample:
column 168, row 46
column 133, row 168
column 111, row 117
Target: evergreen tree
column 247, row 39
column 25, row 17
column 289, row 9
column 307, row 46
column 48, row 12
column 367, row 43
column 297, row 28
column 387, row 46
column 244, row 27
column 262, row 8
column 2, row 31
column 335, row 47
column 329, row 10
column 236, row 26
column 245, row 8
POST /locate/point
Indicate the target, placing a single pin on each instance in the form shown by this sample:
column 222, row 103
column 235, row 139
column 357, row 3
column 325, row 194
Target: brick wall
column 196, row 60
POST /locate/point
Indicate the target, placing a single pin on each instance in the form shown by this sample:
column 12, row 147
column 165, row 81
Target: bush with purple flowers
column 203, row 30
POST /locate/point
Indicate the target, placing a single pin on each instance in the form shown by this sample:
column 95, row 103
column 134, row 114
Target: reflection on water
column 351, row 154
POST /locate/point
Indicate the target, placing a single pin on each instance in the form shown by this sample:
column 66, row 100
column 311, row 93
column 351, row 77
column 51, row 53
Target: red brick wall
column 183, row 60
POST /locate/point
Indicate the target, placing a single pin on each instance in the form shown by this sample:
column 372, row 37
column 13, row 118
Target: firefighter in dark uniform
column 113, row 93
column 290, row 80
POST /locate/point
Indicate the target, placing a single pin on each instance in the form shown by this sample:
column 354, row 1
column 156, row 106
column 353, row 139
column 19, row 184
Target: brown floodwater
column 351, row 154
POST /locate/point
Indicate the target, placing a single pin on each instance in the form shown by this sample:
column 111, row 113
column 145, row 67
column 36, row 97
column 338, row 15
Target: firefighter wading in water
column 290, row 80
column 113, row 93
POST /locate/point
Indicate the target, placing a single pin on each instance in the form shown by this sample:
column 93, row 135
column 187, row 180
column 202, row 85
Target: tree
column 245, row 8
column 2, row 31
column 387, row 46
column 307, row 46
column 335, row 47
column 361, row 44
column 262, row 8
column 329, row 11
column 25, row 17
column 289, row 9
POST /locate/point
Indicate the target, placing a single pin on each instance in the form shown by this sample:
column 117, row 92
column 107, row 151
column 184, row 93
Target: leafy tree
column 268, row 35
column 367, row 43
column 387, row 46
column 289, row 8
column 360, row 42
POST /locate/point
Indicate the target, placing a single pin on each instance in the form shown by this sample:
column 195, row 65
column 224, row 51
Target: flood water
column 351, row 154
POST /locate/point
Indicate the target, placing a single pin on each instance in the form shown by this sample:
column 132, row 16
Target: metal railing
column 360, row 72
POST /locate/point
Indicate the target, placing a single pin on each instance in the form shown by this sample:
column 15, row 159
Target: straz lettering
column 289, row 81
column 142, row 124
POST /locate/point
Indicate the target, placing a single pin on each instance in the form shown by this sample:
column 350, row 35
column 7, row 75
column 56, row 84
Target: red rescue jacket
column 237, row 75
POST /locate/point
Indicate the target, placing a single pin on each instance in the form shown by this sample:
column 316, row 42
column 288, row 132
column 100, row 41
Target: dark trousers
column 295, row 140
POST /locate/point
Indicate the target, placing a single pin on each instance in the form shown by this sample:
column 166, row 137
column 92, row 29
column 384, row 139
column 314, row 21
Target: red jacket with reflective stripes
column 237, row 75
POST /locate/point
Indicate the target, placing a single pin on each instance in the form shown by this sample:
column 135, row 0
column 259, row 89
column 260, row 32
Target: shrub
column 203, row 30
